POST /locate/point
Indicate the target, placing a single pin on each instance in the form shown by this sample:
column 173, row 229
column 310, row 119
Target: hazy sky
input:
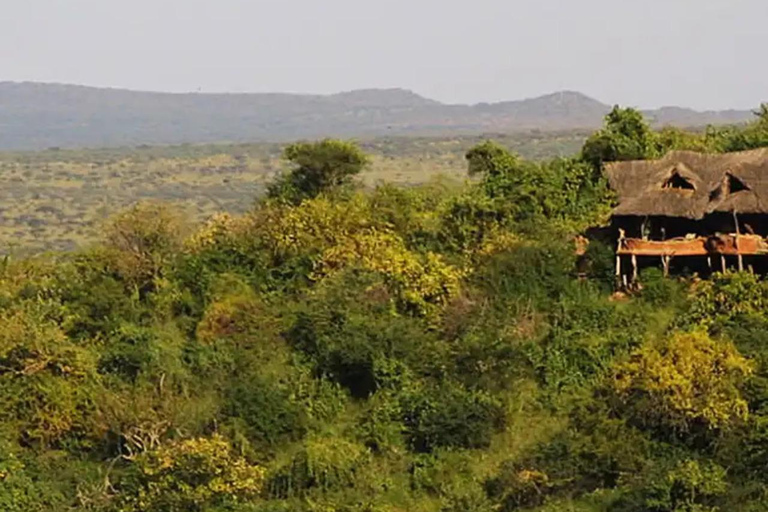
column 648, row 53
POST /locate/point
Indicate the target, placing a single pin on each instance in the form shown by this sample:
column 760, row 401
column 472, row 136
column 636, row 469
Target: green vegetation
column 317, row 168
column 58, row 199
column 431, row 348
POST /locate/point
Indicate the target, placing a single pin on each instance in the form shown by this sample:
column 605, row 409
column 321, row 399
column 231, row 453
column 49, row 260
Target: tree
column 144, row 240
column 625, row 136
column 490, row 159
column 752, row 136
column 568, row 190
column 318, row 167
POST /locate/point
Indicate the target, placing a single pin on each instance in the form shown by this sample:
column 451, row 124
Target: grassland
column 58, row 199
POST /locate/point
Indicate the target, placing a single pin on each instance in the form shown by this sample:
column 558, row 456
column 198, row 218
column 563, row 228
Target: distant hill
column 37, row 116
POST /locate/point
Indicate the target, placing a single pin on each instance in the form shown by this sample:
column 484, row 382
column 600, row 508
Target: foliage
column 754, row 135
column 726, row 297
column 450, row 416
column 143, row 239
column 18, row 490
column 328, row 236
column 192, row 474
column 45, row 378
column 439, row 347
column 318, row 167
column 683, row 382
column 322, row 463
column 490, row 159
column 564, row 190
column 625, row 136
column 689, row 486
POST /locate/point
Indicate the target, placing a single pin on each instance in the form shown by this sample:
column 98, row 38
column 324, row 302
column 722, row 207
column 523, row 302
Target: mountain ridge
column 35, row 115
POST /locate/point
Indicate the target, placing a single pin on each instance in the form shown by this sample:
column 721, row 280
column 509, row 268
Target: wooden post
column 709, row 263
column 738, row 233
column 618, row 257
column 722, row 264
column 634, row 268
column 665, row 261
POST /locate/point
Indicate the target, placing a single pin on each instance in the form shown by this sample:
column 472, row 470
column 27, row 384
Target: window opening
column 677, row 182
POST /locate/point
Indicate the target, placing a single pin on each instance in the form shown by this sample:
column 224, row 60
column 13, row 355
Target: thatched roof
column 691, row 185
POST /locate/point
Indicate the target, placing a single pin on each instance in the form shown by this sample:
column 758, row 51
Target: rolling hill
column 37, row 116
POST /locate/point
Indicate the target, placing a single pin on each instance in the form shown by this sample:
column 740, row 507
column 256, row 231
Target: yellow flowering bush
column 314, row 225
column 341, row 234
column 420, row 281
column 220, row 229
column 43, row 376
column 496, row 241
column 685, row 380
column 192, row 474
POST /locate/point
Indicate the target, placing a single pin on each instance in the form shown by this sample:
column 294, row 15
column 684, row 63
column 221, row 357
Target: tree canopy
column 317, row 167
column 434, row 348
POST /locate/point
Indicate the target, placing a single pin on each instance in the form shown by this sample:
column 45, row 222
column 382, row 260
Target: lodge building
column 701, row 212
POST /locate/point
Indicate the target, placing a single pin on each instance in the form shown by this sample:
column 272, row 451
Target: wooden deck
column 745, row 245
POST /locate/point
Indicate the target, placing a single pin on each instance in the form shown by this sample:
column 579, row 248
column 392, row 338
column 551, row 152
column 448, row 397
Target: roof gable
column 690, row 184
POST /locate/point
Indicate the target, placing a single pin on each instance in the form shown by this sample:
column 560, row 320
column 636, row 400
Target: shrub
column 534, row 273
column 192, row 475
column 421, row 284
column 686, row 381
column 322, row 464
column 689, row 486
column 134, row 352
column 586, row 334
column 591, row 453
column 725, row 297
column 450, row 477
column 599, row 263
column 144, row 239
column 45, row 379
column 660, row 290
column 268, row 413
column 18, row 490
column 348, row 333
column 236, row 318
column 450, row 416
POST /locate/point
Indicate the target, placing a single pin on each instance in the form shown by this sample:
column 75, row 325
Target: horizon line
column 200, row 92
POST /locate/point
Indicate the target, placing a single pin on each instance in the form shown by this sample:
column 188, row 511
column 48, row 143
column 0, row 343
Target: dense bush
column 450, row 416
column 431, row 349
column 682, row 383
column 194, row 475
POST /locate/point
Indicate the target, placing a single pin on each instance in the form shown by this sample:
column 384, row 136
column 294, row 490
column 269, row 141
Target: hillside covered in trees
column 423, row 349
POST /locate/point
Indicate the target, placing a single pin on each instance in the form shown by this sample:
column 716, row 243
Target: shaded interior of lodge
column 691, row 212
